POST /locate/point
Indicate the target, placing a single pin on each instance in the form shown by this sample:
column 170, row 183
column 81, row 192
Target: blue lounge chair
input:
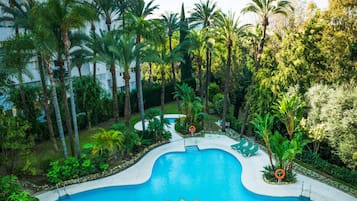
column 239, row 145
column 250, row 152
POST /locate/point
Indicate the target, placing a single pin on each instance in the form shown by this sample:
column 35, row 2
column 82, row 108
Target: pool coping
column 251, row 177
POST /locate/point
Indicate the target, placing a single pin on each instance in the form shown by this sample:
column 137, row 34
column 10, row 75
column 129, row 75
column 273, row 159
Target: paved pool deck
column 251, row 172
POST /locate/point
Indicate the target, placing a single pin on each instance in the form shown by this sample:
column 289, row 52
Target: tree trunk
column 150, row 73
column 45, row 104
column 139, row 87
column 66, row 109
column 79, row 70
column 114, row 93
column 174, row 73
column 226, row 85
column 207, row 77
column 56, row 107
column 94, row 71
column 23, row 97
column 162, row 90
column 67, row 45
column 127, row 108
column 199, row 64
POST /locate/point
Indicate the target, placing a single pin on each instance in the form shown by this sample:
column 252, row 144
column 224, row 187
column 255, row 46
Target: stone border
column 116, row 169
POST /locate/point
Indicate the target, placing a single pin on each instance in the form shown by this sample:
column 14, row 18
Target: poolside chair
column 238, row 145
column 250, row 152
column 248, row 146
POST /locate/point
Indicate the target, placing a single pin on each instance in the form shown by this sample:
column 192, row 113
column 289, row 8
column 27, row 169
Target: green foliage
column 317, row 162
column 72, row 168
column 235, row 123
column 218, row 103
column 269, row 174
column 110, row 141
column 336, row 109
column 88, row 93
column 12, row 191
column 213, row 89
column 156, row 127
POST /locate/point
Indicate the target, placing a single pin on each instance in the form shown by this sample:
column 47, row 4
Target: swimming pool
column 171, row 120
column 205, row 175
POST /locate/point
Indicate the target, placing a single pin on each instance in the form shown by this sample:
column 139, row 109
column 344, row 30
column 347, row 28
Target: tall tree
column 265, row 9
column 171, row 23
column 203, row 15
column 46, row 47
column 106, row 9
column 186, row 65
column 126, row 52
column 66, row 15
column 141, row 27
column 108, row 57
column 228, row 31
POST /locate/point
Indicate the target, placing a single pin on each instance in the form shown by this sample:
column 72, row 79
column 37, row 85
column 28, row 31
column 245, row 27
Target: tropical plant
column 263, row 126
column 204, row 14
column 156, row 125
column 107, row 39
column 126, row 51
column 141, row 27
column 88, row 92
column 289, row 109
column 108, row 140
column 12, row 191
column 265, row 9
column 171, row 24
column 191, row 105
column 46, row 47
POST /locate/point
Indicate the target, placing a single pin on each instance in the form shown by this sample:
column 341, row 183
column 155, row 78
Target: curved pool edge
column 251, row 177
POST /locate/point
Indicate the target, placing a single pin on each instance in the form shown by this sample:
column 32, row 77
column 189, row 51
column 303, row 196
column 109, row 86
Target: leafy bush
column 235, row 124
column 342, row 173
column 218, row 103
column 213, row 89
column 73, row 168
column 10, row 190
column 269, row 174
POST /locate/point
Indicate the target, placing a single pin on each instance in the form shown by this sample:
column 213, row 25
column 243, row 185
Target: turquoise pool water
column 204, row 175
column 171, row 120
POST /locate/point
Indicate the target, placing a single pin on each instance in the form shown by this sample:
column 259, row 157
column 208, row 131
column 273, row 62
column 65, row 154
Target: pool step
column 193, row 148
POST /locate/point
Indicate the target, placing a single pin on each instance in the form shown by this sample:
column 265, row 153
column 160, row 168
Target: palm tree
column 265, row 9
column 171, row 23
column 140, row 26
column 67, row 15
column 107, row 9
column 17, row 54
column 46, row 47
column 104, row 54
column 197, row 48
column 203, row 15
column 126, row 52
column 228, row 32
column 263, row 126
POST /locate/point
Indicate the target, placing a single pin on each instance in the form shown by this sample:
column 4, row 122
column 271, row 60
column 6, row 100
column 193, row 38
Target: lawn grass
column 43, row 153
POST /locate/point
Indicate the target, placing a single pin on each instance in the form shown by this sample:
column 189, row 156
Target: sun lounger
column 239, row 144
column 250, row 152
column 248, row 146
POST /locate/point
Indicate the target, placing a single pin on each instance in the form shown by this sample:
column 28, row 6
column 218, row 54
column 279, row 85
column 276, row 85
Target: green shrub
column 218, row 103
column 10, row 190
column 235, row 124
column 341, row 173
column 213, row 89
column 269, row 174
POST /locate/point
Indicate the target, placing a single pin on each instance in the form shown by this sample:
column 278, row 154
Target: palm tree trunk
column 140, row 88
column 127, row 111
column 23, row 96
column 174, row 74
column 199, row 64
column 226, row 85
column 45, row 104
column 66, row 110
column 114, row 93
column 150, row 73
column 207, row 76
column 56, row 107
column 94, row 71
column 162, row 90
column 67, row 44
